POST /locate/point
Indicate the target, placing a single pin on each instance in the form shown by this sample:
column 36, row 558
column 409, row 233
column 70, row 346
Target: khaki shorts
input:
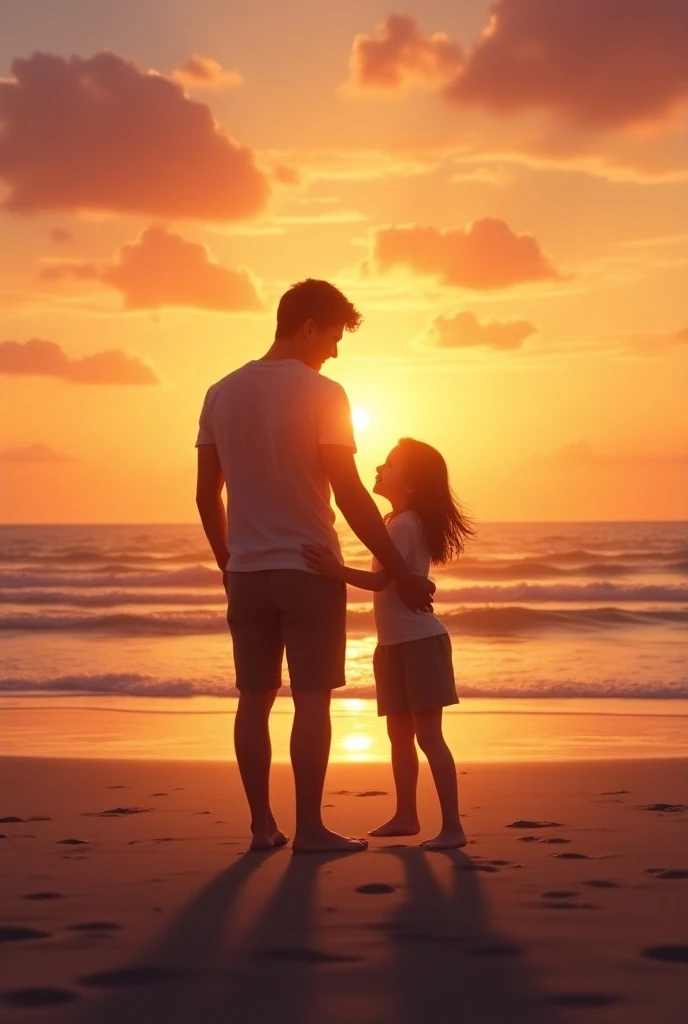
column 414, row 676
column 286, row 609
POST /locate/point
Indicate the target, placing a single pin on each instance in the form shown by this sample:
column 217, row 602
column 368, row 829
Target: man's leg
column 310, row 750
column 254, row 754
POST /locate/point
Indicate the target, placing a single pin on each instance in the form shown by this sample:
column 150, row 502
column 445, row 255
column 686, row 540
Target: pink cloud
column 205, row 73
column 400, row 54
column 36, row 358
column 464, row 330
column 485, row 255
column 598, row 63
column 101, row 134
column 161, row 268
column 33, row 454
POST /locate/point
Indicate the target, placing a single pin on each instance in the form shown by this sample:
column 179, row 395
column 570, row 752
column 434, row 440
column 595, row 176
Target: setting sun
column 361, row 418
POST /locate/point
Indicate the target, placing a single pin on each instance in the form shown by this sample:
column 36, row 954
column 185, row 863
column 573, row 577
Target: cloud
column 36, row 358
column 161, row 268
column 286, row 175
column 33, row 454
column 205, row 73
column 101, row 134
column 464, row 330
column 604, row 64
column 61, row 236
column 485, row 255
column 400, row 55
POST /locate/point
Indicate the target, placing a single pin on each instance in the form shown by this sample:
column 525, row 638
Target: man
column 280, row 437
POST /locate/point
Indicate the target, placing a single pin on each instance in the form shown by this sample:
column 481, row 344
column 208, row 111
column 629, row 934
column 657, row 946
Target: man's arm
column 363, row 516
column 209, row 484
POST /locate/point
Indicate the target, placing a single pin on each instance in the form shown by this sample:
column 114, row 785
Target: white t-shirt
column 395, row 623
column 267, row 421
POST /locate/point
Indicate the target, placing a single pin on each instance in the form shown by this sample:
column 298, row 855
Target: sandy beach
column 129, row 895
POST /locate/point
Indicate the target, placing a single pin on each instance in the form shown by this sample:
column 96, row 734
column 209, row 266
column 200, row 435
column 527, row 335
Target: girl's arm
column 323, row 561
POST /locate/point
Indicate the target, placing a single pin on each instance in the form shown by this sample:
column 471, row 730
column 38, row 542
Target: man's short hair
column 316, row 300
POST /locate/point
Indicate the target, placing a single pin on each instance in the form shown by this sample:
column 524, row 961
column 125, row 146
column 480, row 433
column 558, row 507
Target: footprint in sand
column 558, row 894
column 527, row 823
column 375, row 888
column 571, row 856
column 15, row 933
column 671, row 873
column 373, row 792
column 670, row 954
column 129, row 976
column 552, row 840
column 160, row 794
column 39, row 996
column 43, row 896
column 39, row 817
column 72, row 842
column 117, row 812
column 602, row 883
column 666, row 808
column 12, row 820
column 3, row 835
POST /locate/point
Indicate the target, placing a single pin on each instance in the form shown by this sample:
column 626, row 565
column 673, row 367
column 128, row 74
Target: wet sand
column 129, row 896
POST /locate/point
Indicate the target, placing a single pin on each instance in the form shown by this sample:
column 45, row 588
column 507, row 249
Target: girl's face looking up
column 390, row 479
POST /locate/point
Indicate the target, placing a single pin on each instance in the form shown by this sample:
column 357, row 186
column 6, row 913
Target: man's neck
column 282, row 348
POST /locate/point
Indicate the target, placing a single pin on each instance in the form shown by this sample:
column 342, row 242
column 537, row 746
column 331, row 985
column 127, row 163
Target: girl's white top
column 395, row 623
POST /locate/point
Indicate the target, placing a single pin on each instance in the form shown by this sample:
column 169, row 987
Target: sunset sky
column 502, row 189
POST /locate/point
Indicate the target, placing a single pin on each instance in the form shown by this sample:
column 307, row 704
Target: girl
column 414, row 678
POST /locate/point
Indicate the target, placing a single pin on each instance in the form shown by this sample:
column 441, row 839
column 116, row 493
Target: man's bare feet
column 397, row 826
column 325, row 841
column 446, row 839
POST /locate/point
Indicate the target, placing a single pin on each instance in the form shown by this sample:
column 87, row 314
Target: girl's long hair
column 444, row 523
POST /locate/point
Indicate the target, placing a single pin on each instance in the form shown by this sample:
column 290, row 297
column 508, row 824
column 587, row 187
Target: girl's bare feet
column 267, row 836
column 325, row 841
column 397, row 826
column 452, row 838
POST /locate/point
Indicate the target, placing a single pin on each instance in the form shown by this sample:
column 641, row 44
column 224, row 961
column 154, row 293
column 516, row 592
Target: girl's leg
column 428, row 728
column 404, row 822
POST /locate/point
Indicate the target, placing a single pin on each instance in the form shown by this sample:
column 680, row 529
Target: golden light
column 361, row 419
column 356, row 744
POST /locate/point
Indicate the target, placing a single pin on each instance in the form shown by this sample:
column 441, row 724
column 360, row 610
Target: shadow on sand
column 423, row 953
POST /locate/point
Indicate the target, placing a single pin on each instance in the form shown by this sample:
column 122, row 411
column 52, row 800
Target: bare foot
column 325, row 841
column 397, row 826
column 268, row 840
column 446, row 839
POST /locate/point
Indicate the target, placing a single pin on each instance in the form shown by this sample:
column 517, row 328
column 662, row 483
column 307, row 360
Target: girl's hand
column 323, row 561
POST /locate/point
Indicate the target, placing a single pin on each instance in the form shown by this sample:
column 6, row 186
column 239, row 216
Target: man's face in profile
column 323, row 342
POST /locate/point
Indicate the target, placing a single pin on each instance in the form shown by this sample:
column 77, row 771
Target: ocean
column 546, row 610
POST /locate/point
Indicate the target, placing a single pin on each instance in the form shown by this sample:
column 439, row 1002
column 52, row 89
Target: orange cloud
column 608, row 64
column 33, row 454
column 101, row 134
column 36, row 358
column 61, row 236
column 464, row 330
column 205, row 73
column 161, row 268
column 485, row 255
column 400, row 55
